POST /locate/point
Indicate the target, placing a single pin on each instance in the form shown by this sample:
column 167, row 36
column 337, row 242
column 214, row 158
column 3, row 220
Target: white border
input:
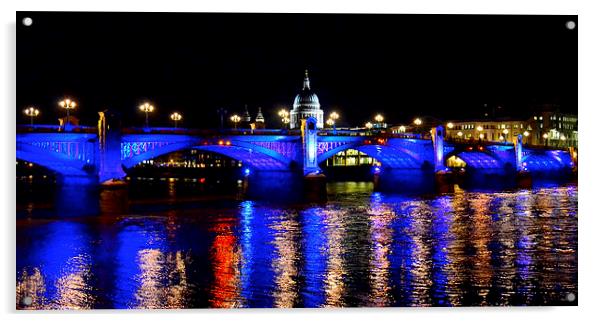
column 590, row 87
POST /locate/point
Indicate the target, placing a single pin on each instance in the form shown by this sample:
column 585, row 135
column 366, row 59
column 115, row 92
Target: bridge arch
column 388, row 156
column 479, row 158
column 59, row 163
column 547, row 160
column 254, row 156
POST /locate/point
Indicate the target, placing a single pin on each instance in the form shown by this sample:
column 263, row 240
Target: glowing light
column 545, row 135
column 67, row 104
column 284, row 116
column 460, row 134
column 481, row 136
column 330, row 122
column 450, row 125
column 175, row 117
column 368, row 125
column 505, row 131
column 379, row 118
column 417, row 122
column 146, row 108
column 235, row 119
column 376, row 170
column 247, row 172
column 526, row 133
column 479, row 128
column 334, row 116
column 562, row 137
column 31, row 112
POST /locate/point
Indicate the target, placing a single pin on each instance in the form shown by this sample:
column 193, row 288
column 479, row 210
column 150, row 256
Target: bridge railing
column 46, row 128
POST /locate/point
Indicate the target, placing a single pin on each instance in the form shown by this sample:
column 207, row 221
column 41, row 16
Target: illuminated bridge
column 94, row 155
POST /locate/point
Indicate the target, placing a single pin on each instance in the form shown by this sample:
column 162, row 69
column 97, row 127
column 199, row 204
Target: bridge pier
column 274, row 185
column 110, row 170
column 404, row 180
column 443, row 177
column 523, row 176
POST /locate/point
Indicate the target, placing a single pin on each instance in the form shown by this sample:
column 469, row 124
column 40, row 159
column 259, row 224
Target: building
column 554, row 128
column 545, row 128
column 306, row 105
column 500, row 130
column 259, row 120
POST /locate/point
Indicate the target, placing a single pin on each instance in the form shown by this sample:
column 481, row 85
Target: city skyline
column 232, row 70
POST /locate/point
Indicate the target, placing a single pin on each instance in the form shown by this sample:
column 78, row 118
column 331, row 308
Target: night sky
column 445, row 66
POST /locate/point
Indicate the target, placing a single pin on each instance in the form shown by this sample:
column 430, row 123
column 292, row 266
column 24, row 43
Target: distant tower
column 259, row 120
column 306, row 105
column 246, row 118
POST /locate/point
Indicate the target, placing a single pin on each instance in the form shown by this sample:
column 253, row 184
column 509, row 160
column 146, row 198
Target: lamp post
column 334, row 116
column 450, row 125
column 235, row 119
column 31, row 112
column 68, row 105
column 545, row 139
column 368, row 126
column 505, row 131
column 175, row 117
column 480, row 129
column 284, row 117
column 146, row 108
column 418, row 122
column 460, row 134
column 379, row 120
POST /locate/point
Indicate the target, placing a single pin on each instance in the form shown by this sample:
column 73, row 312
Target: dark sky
column 446, row 66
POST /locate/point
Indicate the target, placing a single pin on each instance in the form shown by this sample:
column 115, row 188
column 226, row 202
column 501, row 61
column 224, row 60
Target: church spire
column 246, row 117
column 259, row 117
column 306, row 80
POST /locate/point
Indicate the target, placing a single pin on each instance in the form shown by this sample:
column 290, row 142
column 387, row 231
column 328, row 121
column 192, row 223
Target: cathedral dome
column 306, row 100
column 306, row 104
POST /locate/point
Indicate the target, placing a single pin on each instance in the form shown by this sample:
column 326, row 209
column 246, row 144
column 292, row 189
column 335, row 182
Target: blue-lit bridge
column 93, row 155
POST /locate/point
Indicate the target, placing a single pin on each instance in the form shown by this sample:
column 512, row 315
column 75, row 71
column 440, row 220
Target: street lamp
column 460, row 134
column 369, row 125
column 31, row 112
column 67, row 104
column 545, row 137
column 450, row 125
column 175, row 117
column 480, row 129
column 417, row 122
column 334, row 116
column 330, row 122
column 505, row 131
column 235, row 119
column 379, row 119
column 146, row 108
column 284, row 117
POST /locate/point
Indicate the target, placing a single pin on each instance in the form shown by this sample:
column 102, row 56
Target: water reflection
column 359, row 249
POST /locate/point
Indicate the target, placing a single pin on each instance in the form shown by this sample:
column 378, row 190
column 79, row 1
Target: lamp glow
column 235, row 119
column 146, row 108
column 31, row 112
column 175, row 117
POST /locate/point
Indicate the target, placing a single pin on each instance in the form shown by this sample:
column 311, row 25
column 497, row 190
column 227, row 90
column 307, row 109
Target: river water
column 359, row 248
